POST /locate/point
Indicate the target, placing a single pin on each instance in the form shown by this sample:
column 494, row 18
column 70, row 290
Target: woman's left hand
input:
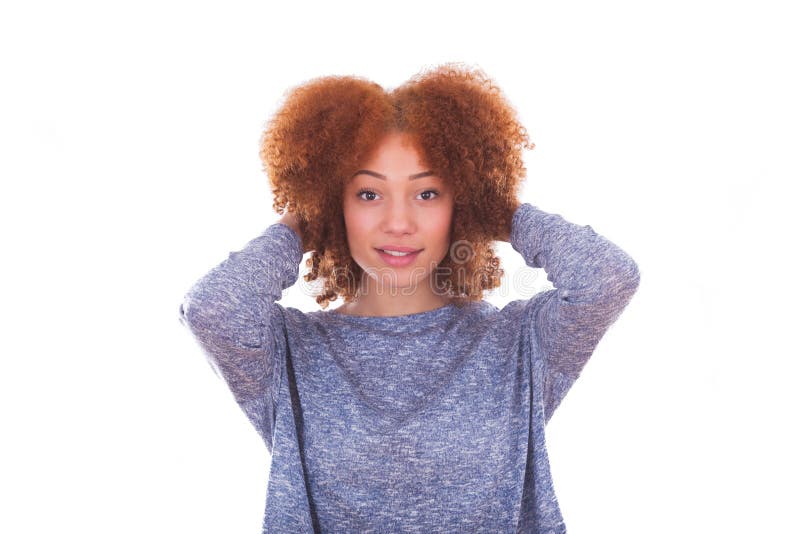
column 505, row 234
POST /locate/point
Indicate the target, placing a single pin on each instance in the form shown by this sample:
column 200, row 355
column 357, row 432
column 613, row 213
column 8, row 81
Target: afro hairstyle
column 461, row 124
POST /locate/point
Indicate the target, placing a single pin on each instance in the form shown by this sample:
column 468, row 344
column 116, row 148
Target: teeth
column 395, row 253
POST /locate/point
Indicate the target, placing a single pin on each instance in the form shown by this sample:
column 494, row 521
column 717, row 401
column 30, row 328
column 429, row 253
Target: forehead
column 397, row 157
column 394, row 151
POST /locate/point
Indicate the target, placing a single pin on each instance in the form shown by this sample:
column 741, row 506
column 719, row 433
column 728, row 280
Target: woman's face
column 394, row 201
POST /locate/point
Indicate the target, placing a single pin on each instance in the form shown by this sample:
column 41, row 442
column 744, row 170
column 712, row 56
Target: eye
column 435, row 192
column 371, row 192
column 362, row 191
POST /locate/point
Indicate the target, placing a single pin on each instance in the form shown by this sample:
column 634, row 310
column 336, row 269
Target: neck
column 396, row 301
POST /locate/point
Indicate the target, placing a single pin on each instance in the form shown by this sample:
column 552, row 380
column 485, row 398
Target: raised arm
column 233, row 314
column 593, row 282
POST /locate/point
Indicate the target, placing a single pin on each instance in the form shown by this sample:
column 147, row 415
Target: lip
column 399, row 249
column 398, row 261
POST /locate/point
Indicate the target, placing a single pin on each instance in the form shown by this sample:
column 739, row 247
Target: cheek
column 438, row 224
column 357, row 224
column 355, row 219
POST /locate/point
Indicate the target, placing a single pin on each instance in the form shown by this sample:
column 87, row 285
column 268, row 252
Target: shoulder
column 514, row 313
column 482, row 316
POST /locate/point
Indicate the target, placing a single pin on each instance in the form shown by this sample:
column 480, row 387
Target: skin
column 399, row 211
column 290, row 220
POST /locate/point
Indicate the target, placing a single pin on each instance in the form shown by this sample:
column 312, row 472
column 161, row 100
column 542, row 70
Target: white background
column 129, row 162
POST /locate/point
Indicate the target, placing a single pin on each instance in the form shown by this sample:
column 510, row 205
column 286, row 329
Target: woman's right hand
column 292, row 221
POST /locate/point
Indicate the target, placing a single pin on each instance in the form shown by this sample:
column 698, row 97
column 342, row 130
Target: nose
column 399, row 219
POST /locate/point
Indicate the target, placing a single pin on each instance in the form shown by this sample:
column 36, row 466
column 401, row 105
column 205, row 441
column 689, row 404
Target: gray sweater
column 429, row 422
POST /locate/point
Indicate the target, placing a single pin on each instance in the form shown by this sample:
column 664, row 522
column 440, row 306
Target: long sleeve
column 233, row 314
column 593, row 282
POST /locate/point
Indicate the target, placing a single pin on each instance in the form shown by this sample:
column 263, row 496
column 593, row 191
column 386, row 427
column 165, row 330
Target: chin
column 398, row 280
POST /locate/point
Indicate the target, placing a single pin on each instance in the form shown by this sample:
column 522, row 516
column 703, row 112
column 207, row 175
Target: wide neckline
column 393, row 321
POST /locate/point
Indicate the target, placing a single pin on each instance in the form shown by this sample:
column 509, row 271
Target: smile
column 396, row 253
column 397, row 259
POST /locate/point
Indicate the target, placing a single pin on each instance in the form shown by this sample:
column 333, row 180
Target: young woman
column 416, row 405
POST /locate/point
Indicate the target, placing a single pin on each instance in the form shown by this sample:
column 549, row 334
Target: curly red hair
column 460, row 123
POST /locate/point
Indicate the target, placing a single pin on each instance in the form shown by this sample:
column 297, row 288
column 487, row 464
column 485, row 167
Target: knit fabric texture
column 429, row 422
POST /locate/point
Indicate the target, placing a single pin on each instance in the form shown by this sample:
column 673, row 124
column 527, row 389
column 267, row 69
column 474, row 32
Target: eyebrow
column 382, row 177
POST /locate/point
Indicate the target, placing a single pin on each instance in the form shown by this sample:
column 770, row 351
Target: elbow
column 617, row 273
column 199, row 310
column 623, row 273
column 620, row 283
column 627, row 281
column 188, row 314
column 632, row 277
